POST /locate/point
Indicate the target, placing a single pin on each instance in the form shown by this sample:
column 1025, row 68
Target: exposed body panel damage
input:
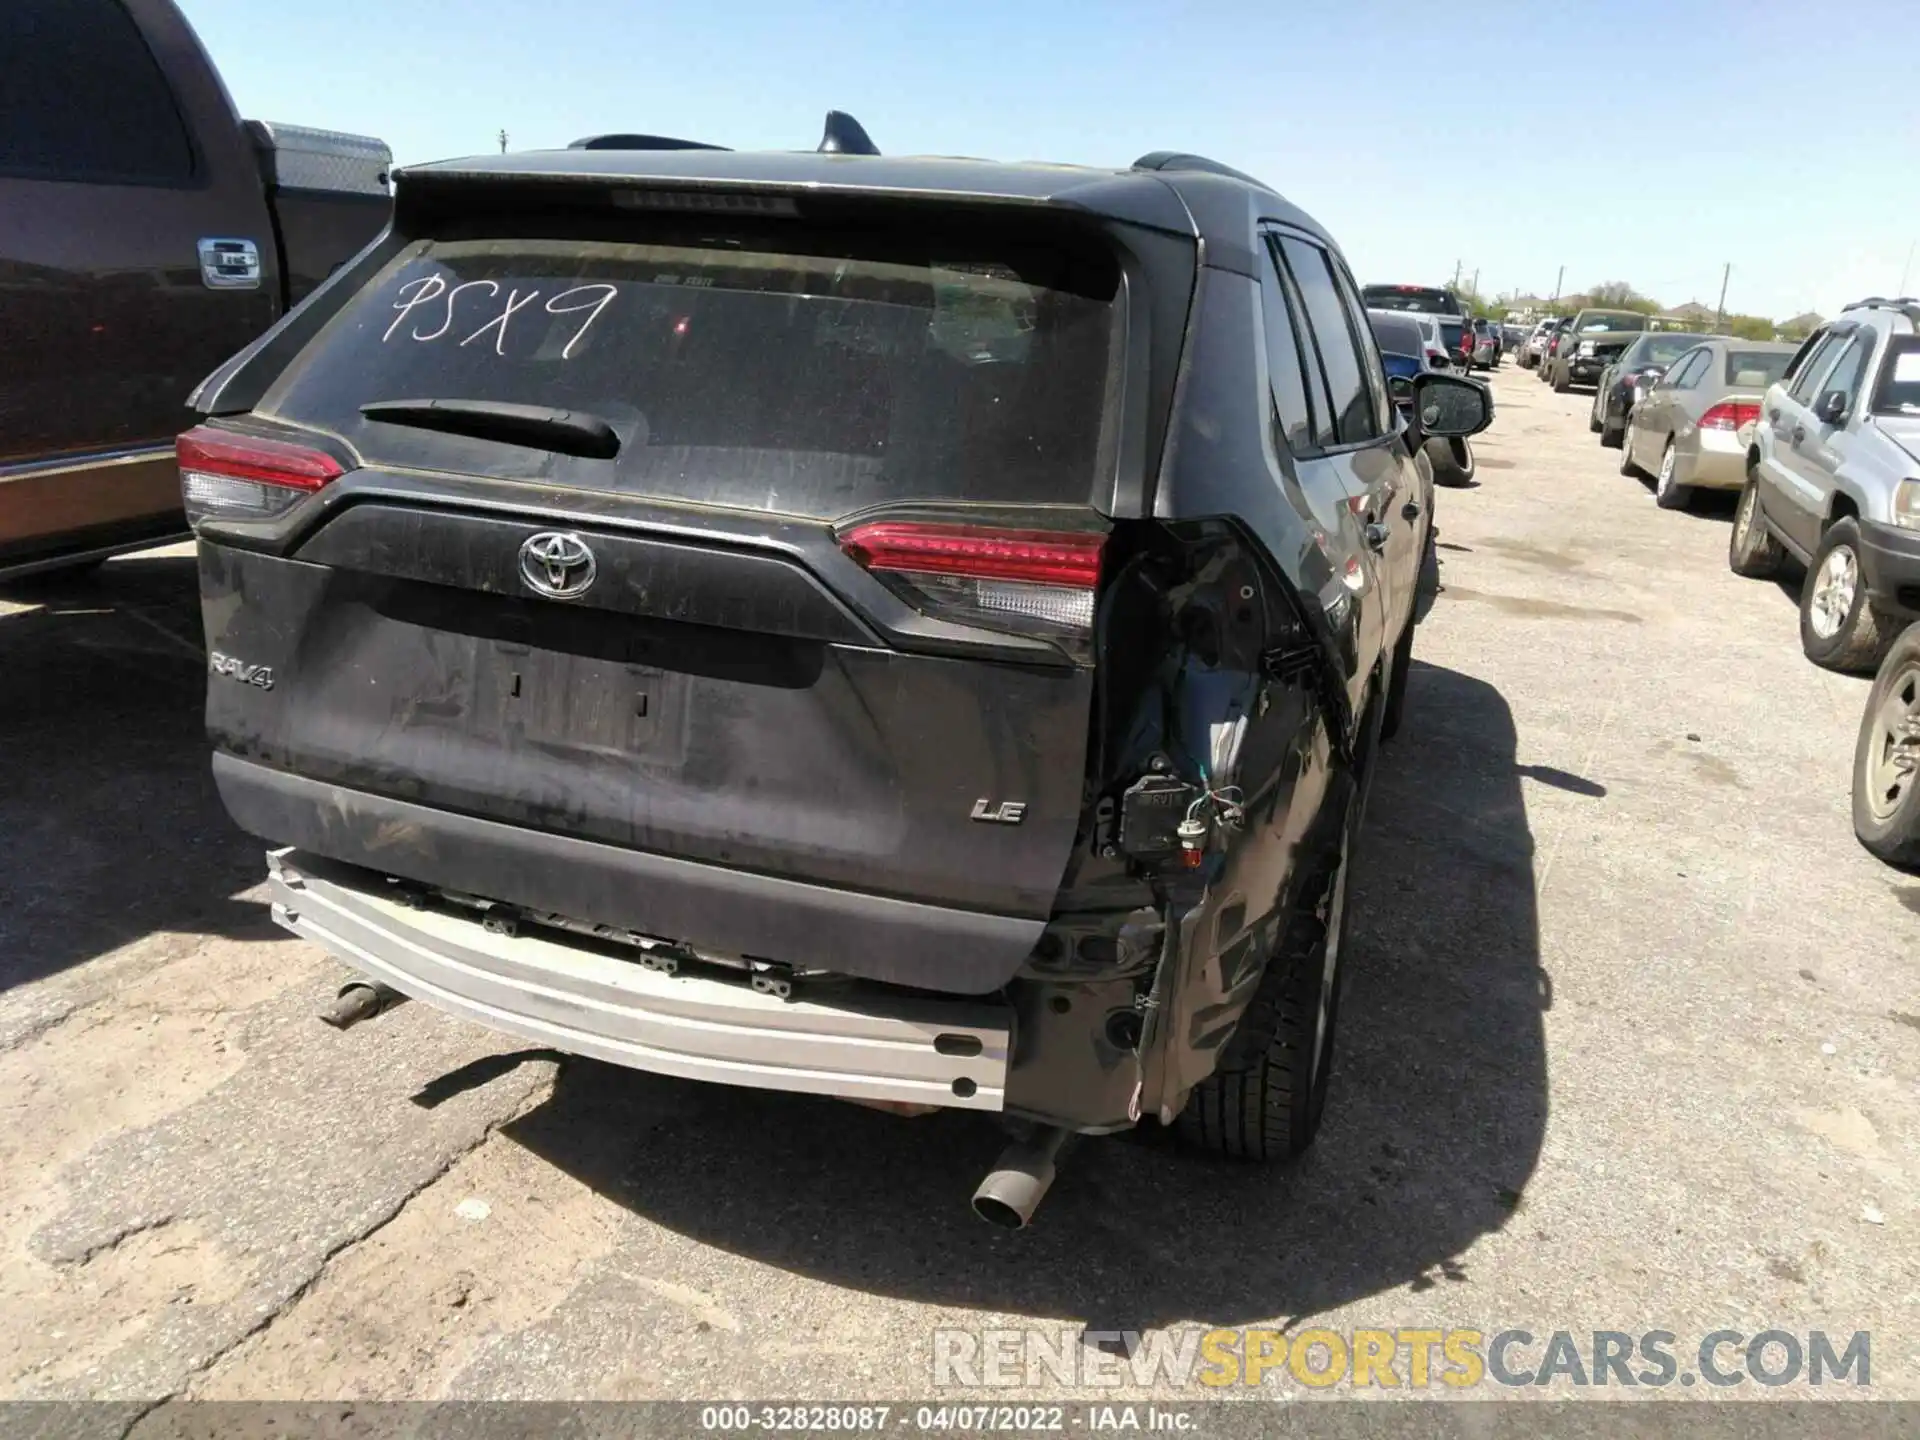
column 1171, row 941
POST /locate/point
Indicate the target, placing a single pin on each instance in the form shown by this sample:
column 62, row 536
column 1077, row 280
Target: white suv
column 1833, row 478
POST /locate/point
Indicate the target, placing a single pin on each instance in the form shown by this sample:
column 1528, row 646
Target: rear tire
column 1561, row 382
column 1449, row 469
column 1669, row 493
column 1886, row 759
column 1752, row 549
column 1265, row 1100
column 1839, row 628
column 1627, row 467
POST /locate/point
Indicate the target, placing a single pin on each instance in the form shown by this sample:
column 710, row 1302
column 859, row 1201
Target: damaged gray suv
column 912, row 630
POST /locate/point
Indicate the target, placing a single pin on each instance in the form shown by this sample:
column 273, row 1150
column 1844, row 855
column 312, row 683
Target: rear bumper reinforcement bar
column 862, row 1043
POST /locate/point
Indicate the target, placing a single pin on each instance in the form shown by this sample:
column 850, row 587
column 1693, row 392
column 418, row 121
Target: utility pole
column 503, row 142
column 1901, row 289
column 1720, row 317
column 1557, row 281
column 1456, row 273
column 1476, row 282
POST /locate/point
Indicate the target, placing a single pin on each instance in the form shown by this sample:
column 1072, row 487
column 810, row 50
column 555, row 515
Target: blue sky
column 1781, row 137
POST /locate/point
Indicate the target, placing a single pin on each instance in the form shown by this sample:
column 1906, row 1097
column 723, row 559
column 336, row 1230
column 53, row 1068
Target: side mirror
column 1832, row 407
column 1400, row 387
column 1451, row 406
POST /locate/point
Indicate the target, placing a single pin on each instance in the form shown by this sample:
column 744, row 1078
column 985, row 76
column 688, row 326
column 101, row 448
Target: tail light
column 242, row 477
column 1730, row 415
column 1033, row 581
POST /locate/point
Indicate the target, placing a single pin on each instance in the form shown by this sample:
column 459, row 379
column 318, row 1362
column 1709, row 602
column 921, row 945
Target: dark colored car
column 1629, row 375
column 1591, row 342
column 1402, row 347
column 148, row 235
column 831, row 623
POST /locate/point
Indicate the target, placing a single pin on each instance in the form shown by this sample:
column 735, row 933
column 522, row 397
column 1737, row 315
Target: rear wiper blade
column 540, row 427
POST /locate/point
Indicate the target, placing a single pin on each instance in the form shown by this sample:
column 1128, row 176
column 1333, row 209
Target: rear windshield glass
column 810, row 384
column 1663, row 348
column 1590, row 323
column 1899, row 389
column 1395, row 335
column 1410, row 297
column 1755, row 369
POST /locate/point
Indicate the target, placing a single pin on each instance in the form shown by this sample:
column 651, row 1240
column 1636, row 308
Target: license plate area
column 567, row 702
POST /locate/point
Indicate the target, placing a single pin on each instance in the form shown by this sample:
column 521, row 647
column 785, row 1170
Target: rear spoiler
column 842, row 135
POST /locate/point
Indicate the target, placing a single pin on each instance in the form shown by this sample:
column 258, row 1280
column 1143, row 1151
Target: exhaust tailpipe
column 1019, row 1179
column 359, row 1001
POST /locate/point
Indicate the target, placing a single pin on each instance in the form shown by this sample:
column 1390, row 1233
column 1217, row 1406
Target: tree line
column 1619, row 295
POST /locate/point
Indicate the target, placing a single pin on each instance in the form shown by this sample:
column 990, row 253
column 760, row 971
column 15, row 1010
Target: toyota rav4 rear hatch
column 761, row 547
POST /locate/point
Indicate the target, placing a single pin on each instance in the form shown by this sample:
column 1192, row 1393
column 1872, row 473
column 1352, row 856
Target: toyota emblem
column 557, row 565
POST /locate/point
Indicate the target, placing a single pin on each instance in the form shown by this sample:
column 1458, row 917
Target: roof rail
column 1180, row 160
column 640, row 142
column 1907, row 305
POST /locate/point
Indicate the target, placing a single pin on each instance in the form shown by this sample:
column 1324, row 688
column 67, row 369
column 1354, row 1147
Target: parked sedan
column 1699, row 418
column 1628, row 379
column 1486, row 346
column 1434, row 339
column 1402, row 342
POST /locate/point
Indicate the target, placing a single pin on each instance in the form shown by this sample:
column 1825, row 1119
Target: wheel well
column 1842, row 505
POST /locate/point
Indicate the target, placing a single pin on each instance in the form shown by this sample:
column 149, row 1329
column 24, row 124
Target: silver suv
column 1833, row 478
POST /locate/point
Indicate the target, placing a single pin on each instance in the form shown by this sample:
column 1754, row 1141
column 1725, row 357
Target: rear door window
column 1372, row 370
column 82, row 98
column 815, row 377
column 1286, row 369
column 1813, row 366
column 1687, row 372
column 1850, row 368
column 1340, row 358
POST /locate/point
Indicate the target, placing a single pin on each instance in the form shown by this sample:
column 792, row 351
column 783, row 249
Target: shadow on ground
column 109, row 825
column 1433, row 1129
